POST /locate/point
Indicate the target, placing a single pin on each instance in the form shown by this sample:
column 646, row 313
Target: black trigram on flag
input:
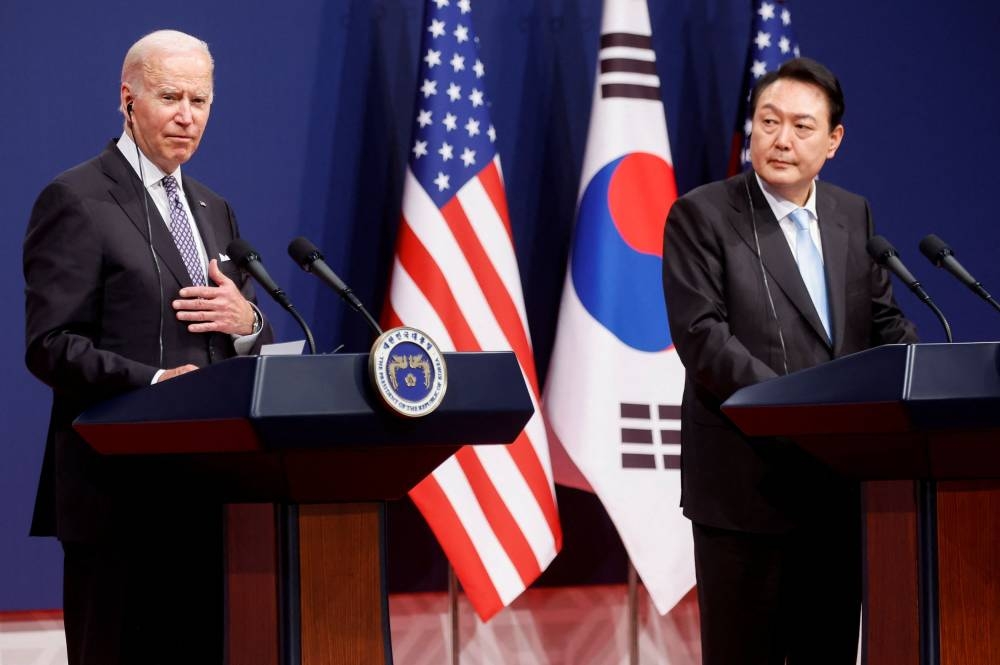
column 628, row 66
column 651, row 436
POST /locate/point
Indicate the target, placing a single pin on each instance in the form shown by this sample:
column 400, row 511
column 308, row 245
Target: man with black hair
column 764, row 274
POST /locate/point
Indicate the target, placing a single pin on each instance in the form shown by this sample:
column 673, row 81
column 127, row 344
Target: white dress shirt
column 152, row 177
column 783, row 208
column 153, row 182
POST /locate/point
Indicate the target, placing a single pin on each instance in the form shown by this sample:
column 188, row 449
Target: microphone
column 940, row 254
column 310, row 259
column 884, row 254
column 247, row 258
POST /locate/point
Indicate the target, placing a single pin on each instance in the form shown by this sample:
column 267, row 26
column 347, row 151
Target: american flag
column 455, row 276
column 772, row 42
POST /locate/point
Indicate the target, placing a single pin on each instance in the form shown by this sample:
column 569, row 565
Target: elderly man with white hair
column 126, row 285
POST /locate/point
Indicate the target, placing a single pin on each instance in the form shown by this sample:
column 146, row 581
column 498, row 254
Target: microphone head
column 240, row 251
column 935, row 249
column 303, row 252
column 880, row 249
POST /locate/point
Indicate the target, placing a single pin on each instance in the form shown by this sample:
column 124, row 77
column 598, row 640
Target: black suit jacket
column 94, row 306
column 727, row 337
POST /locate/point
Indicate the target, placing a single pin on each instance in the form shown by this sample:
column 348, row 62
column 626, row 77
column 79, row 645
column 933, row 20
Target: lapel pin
column 202, row 204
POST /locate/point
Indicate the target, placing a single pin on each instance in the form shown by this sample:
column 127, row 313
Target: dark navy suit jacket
column 93, row 318
column 727, row 337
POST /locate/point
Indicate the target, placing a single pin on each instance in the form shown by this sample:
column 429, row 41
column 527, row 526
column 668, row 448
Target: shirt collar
column 782, row 207
column 152, row 172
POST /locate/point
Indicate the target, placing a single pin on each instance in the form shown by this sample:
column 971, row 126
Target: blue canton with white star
column 452, row 136
column 772, row 43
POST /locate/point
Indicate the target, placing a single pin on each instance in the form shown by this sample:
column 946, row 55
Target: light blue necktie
column 811, row 266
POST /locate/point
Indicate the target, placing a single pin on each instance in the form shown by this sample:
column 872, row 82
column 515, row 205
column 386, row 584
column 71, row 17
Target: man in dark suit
column 764, row 274
column 127, row 285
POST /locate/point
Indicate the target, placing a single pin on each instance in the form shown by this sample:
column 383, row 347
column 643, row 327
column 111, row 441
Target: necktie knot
column 170, row 184
column 800, row 216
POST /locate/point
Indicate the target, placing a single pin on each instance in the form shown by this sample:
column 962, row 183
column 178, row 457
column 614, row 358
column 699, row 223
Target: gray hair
column 162, row 41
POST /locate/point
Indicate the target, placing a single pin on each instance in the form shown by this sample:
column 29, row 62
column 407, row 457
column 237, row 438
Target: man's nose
column 183, row 115
column 783, row 138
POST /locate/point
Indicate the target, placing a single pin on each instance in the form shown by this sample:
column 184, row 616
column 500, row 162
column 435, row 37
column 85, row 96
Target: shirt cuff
column 244, row 343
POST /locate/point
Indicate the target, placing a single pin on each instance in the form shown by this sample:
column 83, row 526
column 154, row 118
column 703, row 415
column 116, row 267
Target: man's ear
column 836, row 136
column 127, row 99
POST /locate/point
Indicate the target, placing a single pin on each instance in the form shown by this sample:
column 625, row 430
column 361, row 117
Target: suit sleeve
column 63, row 281
column 694, row 288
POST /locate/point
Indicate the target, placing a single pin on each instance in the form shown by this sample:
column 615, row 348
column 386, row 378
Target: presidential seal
column 408, row 371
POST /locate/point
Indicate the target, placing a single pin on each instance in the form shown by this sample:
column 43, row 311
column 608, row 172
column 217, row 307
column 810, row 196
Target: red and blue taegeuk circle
column 617, row 259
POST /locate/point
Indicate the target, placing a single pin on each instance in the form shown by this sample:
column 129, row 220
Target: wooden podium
column 303, row 453
column 893, row 415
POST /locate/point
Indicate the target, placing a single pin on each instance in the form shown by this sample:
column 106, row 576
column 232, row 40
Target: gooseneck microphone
column 309, row 258
column 884, row 254
column 247, row 258
column 940, row 254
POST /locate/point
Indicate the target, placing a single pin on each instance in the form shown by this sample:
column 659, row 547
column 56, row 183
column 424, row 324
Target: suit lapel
column 833, row 231
column 774, row 250
column 124, row 189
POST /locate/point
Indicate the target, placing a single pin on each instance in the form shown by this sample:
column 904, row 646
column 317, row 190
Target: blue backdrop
column 310, row 131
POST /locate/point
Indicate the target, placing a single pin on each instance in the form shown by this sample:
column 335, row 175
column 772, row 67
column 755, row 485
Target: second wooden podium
column 889, row 416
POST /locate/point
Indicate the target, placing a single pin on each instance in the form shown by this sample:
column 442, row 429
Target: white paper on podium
column 293, row 348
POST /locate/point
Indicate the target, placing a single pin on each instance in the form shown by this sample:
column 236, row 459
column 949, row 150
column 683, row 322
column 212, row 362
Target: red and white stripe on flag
column 455, row 277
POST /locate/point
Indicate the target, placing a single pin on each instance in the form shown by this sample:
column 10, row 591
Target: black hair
column 808, row 71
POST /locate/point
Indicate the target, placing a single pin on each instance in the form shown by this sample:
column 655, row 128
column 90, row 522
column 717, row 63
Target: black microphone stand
column 926, row 488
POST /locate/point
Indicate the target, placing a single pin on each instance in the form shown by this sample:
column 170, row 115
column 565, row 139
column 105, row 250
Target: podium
column 892, row 415
column 305, row 577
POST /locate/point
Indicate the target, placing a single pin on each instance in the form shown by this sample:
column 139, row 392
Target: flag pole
column 633, row 614
column 453, row 615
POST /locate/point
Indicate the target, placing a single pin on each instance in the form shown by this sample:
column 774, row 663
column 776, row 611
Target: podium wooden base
column 969, row 578
column 968, row 536
column 340, row 604
column 344, row 615
column 891, row 606
column 252, row 622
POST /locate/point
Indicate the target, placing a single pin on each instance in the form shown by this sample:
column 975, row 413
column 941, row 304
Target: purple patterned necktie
column 180, row 229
